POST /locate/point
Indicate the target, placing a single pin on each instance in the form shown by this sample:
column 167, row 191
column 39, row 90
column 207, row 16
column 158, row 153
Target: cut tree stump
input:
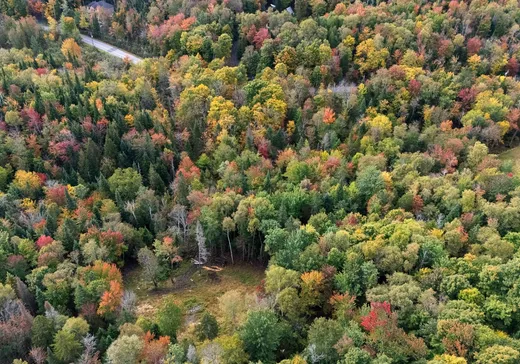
column 212, row 272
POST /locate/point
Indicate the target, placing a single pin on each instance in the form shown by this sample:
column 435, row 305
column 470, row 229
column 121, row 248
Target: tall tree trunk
column 261, row 249
column 513, row 138
column 230, row 248
column 252, row 248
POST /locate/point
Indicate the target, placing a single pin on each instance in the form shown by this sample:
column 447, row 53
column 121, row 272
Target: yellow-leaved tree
column 380, row 127
column 369, row 57
column 70, row 48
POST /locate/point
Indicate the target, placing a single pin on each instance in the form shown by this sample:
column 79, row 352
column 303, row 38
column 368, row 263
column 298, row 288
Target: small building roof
column 101, row 4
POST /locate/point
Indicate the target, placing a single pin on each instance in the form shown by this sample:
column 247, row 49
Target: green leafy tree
column 4, row 175
column 232, row 349
column 356, row 356
column 222, row 48
column 207, row 328
column 96, row 27
column 66, row 347
column 125, row 183
column 323, row 336
column 261, row 334
column 89, row 161
column 125, row 349
column 169, row 319
column 301, row 8
column 498, row 354
column 76, row 326
column 369, row 182
column 151, row 269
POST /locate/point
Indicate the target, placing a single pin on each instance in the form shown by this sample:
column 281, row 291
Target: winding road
column 105, row 47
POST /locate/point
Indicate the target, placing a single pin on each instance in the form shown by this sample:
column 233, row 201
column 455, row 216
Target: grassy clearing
column 513, row 153
column 200, row 290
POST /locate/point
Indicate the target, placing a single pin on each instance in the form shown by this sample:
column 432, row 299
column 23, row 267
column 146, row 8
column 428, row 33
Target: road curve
column 105, row 47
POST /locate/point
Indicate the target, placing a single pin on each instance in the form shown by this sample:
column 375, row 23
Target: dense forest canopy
column 350, row 149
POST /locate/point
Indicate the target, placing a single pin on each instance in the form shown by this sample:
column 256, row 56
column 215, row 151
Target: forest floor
column 194, row 288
